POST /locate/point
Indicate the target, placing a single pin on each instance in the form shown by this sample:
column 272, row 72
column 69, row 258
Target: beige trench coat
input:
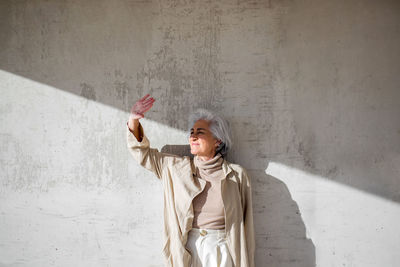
column 180, row 186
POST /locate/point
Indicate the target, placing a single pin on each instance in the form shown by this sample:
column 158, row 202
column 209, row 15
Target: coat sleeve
column 148, row 157
column 248, row 219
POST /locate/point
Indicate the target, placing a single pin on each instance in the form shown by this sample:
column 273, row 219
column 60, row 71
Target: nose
column 193, row 136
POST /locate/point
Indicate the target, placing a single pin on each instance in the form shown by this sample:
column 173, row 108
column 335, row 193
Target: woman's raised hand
column 137, row 112
column 140, row 107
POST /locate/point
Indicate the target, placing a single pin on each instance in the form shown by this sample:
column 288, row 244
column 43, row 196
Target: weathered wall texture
column 311, row 89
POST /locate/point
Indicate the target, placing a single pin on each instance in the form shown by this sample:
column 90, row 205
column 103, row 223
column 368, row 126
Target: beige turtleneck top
column 208, row 206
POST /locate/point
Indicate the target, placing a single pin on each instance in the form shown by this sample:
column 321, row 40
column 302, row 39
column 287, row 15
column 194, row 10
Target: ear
column 217, row 143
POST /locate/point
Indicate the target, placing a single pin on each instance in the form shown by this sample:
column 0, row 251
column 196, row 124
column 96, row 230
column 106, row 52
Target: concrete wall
column 311, row 89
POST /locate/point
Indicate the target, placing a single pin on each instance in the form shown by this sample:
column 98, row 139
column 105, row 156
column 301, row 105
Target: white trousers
column 208, row 248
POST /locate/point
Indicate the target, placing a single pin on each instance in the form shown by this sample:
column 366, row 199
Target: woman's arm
column 138, row 144
column 147, row 157
column 137, row 112
column 136, row 129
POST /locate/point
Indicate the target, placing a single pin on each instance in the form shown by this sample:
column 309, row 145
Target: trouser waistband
column 204, row 232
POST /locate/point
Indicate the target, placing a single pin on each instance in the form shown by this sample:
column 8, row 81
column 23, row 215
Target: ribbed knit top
column 208, row 206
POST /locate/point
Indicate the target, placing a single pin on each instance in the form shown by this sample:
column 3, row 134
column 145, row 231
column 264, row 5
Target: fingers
column 147, row 107
column 148, row 101
column 143, row 98
column 143, row 105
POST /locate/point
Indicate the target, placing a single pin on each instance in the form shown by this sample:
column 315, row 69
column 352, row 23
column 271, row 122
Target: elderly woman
column 208, row 215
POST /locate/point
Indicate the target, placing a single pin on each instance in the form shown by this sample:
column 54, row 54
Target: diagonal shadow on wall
column 290, row 109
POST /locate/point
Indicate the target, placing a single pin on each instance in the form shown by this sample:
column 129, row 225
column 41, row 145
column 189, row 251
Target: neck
column 207, row 168
column 206, row 157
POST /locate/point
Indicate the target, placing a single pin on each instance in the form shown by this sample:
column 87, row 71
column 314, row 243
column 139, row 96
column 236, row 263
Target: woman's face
column 202, row 142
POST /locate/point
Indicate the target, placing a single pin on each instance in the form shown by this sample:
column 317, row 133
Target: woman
column 208, row 215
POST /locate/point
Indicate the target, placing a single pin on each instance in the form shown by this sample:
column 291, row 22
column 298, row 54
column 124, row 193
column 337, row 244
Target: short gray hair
column 218, row 126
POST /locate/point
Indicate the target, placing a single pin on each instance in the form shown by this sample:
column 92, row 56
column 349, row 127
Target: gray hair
column 218, row 127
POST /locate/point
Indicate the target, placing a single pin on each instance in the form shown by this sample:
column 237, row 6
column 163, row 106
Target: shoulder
column 238, row 170
column 236, row 167
column 240, row 176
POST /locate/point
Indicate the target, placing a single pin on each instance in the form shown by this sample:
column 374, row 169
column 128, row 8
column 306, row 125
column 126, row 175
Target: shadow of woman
column 280, row 231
